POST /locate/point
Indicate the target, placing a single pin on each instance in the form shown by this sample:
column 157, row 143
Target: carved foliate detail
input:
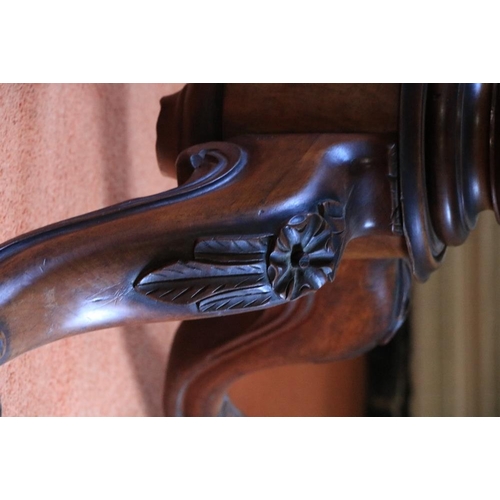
column 307, row 251
column 227, row 273
column 232, row 249
column 242, row 272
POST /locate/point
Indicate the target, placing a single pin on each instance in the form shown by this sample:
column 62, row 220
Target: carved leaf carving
column 232, row 272
column 232, row 249
column 190, row 282
column 245, row 298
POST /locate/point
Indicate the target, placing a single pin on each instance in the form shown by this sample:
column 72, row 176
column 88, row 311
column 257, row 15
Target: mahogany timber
column 280, row 186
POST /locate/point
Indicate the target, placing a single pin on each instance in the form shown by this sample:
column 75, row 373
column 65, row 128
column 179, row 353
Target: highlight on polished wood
column 300, row 216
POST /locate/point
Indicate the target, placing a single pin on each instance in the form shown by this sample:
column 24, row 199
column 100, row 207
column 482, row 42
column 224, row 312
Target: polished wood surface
column 183, row 254
column 294, row 183
column 278, row 108
column 448, row 166
column 362, row 308
column 214, row 112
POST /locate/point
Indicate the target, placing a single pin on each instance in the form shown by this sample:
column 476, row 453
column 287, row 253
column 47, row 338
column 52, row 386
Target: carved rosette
column 233, row 272
column 306, row 252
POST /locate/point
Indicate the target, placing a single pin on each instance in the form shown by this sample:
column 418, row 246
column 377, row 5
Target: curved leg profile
column 243, row 232
column 363, row 307
column 259, row 226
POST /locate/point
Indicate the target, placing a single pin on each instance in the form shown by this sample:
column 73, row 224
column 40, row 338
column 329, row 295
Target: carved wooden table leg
column 293, row 181
column 363, row 307
column 216, row 245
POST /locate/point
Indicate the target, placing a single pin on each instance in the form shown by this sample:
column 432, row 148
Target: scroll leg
column 363, row 307
column 243, row 232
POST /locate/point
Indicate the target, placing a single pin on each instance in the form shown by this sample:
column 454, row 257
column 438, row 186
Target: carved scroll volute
column 243, row 232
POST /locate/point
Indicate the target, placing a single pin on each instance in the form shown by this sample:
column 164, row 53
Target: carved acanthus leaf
column 227, row 301
column 232, row 249
column 191, row 282
column 232, row 272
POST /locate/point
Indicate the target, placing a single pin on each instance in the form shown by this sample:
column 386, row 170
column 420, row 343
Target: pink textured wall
column 66, row 150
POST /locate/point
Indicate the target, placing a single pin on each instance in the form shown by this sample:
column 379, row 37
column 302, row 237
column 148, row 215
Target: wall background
column 66, row 150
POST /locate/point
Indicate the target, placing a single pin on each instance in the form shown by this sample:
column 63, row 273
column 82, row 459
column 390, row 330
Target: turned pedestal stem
column 448, row 159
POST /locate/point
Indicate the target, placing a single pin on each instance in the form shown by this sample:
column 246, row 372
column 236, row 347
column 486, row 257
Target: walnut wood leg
column 362, row 308
column 262, row 219
column 243, row 232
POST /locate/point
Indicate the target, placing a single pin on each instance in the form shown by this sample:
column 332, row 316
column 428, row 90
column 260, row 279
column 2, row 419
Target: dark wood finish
column 448, row 165
column 203, row 248
column 190, row 117
column 278, row 108
column 295, row 182
column 363, row 307
column 205, row 112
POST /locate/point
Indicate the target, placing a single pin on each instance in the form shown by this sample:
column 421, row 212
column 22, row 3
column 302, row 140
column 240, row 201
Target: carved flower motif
column 304, row 256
